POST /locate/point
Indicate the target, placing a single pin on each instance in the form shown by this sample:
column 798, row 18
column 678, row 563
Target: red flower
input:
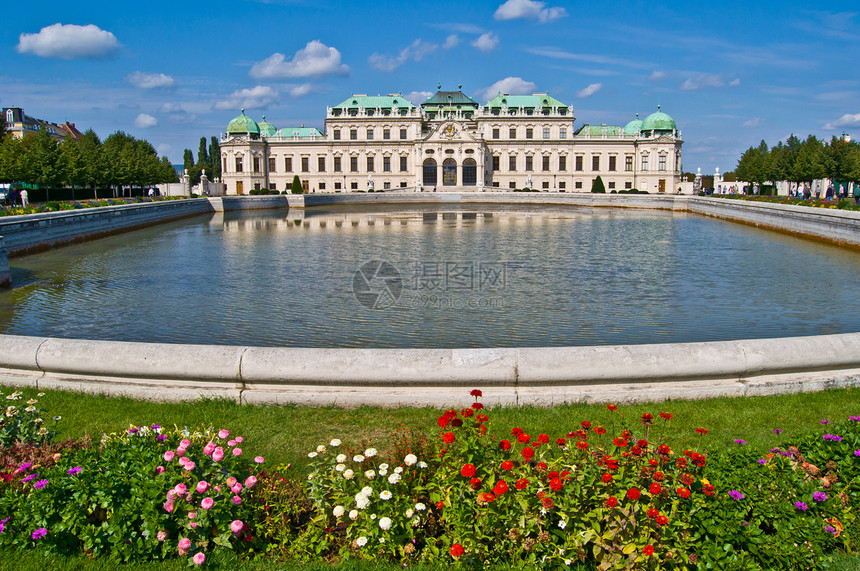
column 607, row 478
column 611, row 502
column 475, row 483
column 482, row 418
column 664, row 450
column 612, row 407
column 457, row 550
column 543, row 438
column 687, row 478
column 555, row 484
column 565, row 474
column 516, row 431
column 652, row 513
column 648, row 551
column 600, row 430
column 626, row 433
column 505, row 445
column 457, row 423
column 582, row 445
column 657, row 477
column 655, row 488
column 553, row 474
column 528, row 453
column 547, row 503
column 702, row 430
column 488, row 497
column 467, row 412
column 476, row 393
column 662, row 520
column 653, row 462
column 448, row 437
column 647, row 418
column 633, row 494
column 585, row 424
column 468, row 470
column 524, row 438
column 643, row 443
column 681, row 463
column 477, row 406
column 507, row 465
column 443, row 421
column 541, row 466
column 620, row 442
column 451, row 413
column 684, row 493
column 708, row 489
column 500, row 488
column 440, row 505
column 561, row 442
column 666, row 416
column 610, row 462
column 636, row 450
column 522, row 483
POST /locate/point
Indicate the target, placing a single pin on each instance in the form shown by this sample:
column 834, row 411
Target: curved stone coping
column 439, row 377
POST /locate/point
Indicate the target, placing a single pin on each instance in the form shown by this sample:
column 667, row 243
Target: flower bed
column 612, row 497
column 840, row 204
column 54, row 206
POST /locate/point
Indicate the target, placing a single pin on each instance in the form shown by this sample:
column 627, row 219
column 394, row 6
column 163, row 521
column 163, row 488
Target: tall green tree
column 95, row 170
column 202, row 156
column 809, row 164
column 215, row 158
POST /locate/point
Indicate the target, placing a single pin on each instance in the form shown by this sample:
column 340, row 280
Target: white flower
column 40, row 394
column 409, row 513
column 372, row 516
column 335, row 442
column 341, row 458
column 562, row 524
column 338, row 511
column 361, row 502
column 32, row 401
column 385, row 495
column 381, row 540
column 348, row 474
column 353, row 515
column 385, row 523
column 543, row 511
column 398, row 470
column 410, row 459
column 310, row 476
column 312, row 454
column 383, row 471
column 358, row 458
column 394, row 478
column 420, row 507
column 320, row 448
column 361, row 541
column 370, row 474
column 383, row 466
column 416, row 521
column 340, row 467
column 367, row 491
column 422, row 464
column 370, row 452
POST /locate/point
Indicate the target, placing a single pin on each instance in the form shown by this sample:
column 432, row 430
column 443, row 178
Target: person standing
column 24, row 198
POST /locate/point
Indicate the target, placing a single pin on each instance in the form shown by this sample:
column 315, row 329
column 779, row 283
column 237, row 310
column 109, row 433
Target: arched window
column 429, row 175
column 449, row 172
column 470, row 172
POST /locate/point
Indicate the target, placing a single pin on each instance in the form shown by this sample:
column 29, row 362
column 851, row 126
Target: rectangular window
column 579, row 162
column 529, row 163
column 529, row 133
column 337, row 186
column 322, row 186
column 545, row 163
column 337, row 164
column 403, row 163
column 513, row 133
column 496, row 133
column 370, row 134
column 612, row 163
column 512, row 184
column 353, row 164
column 644, row 162
column 337, row 134
column 386, row 134
column 257, row 164
column 386, row 164
column 561, row 185
column 628, row 164
column 661, row 165
column 402, row 134
column 496, row 166
column 306, row 166
column 562, row 163
column 512, row 163
column 353, row 186
column 628, row 185
column 546, row 132
column 611, row 185
column 545, row 185
column 595, row 163
column 273, row 186
column 238, row 164
column 562, row 133
column 353, row 134
column 578, row 184
column 369, row 164
column 271, row 164
column 321, row 164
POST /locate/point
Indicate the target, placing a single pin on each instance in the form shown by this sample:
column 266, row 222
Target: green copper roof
column 243, row 124
column 445, row 98
column 267, row 129
column 372, row 102
column 300, row 132
column 536, row 100
column 658, row 121
column 634, row 126
column 599, row 131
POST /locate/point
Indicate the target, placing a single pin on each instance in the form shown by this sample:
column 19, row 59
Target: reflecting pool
column 437, row 277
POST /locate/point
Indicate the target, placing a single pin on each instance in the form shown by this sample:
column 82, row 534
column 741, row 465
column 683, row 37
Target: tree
column 202, row 157
column 296, row 188
column 3, row 127
column 809, row 164
column 166, row 172
column 92, row 155
column 598, row 186
column 188, row 166
column 215, row 157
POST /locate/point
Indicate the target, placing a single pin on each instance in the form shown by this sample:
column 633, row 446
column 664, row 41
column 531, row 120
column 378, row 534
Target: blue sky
column 730, row 73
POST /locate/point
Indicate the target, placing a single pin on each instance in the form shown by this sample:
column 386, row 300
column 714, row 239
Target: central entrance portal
column 449, row 172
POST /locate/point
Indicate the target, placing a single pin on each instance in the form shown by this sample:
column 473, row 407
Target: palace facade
column 452, row 142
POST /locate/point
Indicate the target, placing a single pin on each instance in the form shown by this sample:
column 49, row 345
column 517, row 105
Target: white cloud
column 149, row 80
column 847, row 120
column 486, row 42
column 314, row 60
column 451, row 41
column 509, row 85
column 171, row 108
column 414, row 51
column 657, row 75
column 301, row 90
column 757, row 122
column 589, row 91
column 707, row 80
column 145, row 121
column 254, row 98
column 418, row 97
column 163, row 149
column 69, row 41
column 528, row 9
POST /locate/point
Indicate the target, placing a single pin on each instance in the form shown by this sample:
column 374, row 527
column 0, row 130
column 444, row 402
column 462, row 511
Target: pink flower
column 231, row 443
column 223, row 433
column 185, row 443
column 259, row 459
column 171, row 493
column 237, row 526
column 193, row 525
column 237, row 500
column 192, row 514
column 202, row 486
column 199, row 558
column 184, row 543
column 209, row 449
column 161, row 535
column 236, row 488
column 218, row 455
column 237, row 452
column 207, row 503
column 169, row 456
column 159, row 470
column 231, row 481
column 240, row 439
column 168, row 507
column 184, row 460
column 181, row 489
column 250, row 482
column 190, row 465
column 180, row 451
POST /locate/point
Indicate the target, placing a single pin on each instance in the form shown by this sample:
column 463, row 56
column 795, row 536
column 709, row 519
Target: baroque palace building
column 452, row 142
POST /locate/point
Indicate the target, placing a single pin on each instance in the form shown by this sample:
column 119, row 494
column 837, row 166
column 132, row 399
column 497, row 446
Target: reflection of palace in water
column 451, row 142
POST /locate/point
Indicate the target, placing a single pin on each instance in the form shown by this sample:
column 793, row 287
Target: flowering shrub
column 23, row 424
column 144, row 494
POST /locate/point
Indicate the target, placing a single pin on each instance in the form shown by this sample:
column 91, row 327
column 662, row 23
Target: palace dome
column 634, row 126
column 266, row 129
column 242, row 125
column 659, row 122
